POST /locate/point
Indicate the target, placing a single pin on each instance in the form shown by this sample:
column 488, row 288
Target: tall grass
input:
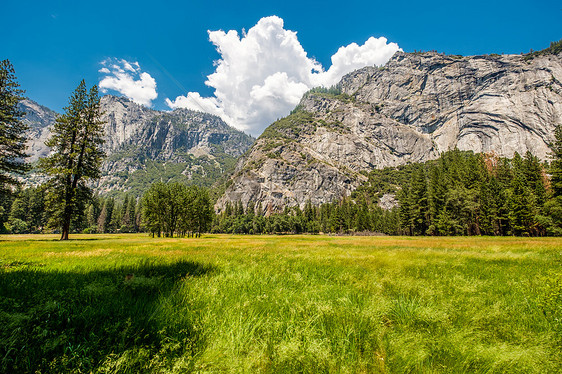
column 280, row 304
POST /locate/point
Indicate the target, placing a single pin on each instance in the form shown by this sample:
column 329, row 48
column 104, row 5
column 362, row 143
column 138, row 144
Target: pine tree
column 419, row 205
column 116, row 218
column 239, row 210
column 556, row 165
column 91, row 216
column 405, row 210
column 75, row 159
column 36, row 211
column 522, row 208
column 102, row 219
column 12, row 129
column 132, row 214
column 436, row 192
column 125, row 216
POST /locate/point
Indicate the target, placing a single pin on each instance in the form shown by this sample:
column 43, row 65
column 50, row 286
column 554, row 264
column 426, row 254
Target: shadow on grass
column 58, row 321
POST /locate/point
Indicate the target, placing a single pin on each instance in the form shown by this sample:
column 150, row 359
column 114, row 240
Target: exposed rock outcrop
column 38, row 118
column 410, row 110
column 122, row 120
column 201, row 143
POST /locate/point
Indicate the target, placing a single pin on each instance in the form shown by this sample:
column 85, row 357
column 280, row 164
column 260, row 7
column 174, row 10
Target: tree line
column 460, row 193
column 166, row 209
column 345, row 216
column 463, row 193
column 26, row 212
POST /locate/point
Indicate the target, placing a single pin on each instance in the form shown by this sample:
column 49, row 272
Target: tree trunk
column 67, row 215
column 66, row 218
column 65, row 229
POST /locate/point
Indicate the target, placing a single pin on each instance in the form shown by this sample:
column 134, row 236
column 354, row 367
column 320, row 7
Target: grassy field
column 130, row 303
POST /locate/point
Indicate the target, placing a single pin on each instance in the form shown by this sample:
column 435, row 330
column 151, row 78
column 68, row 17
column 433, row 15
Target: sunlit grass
column 280, row 304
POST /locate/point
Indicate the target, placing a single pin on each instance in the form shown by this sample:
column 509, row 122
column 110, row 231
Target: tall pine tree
column 12, row 129
column 556, row 165
column 75, row 158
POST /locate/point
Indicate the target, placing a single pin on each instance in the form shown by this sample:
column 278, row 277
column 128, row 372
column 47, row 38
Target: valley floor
column 240, row 303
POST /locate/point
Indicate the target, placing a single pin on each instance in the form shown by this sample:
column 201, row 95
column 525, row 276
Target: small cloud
column 128, row 79
column 375, row 51
column 263, row 73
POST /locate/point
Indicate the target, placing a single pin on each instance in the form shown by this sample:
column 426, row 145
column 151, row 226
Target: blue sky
column 55, row 44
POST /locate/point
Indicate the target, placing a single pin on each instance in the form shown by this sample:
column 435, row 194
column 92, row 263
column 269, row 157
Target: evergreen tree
column 125, row 218
column 12, row 130
column 405, row 210
column 534, row 177
column 34, row 205
column 19, row 210
column 132, row 213
column 155, row 208
column 556, row 165
column 239, row 210
column 116, row 218
column 102, row 219
column 91, row 217
column 75, row 159
column 436, row 194
column 228, row 210
column 419, row 205
column 105, row 216
column 521, row 215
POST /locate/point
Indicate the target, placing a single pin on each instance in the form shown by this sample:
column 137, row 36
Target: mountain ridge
column 410, row 110
column 181, row 144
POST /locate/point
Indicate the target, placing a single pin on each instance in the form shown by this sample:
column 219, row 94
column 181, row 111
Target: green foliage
column 554, row 49
column 333, row 92
column 29, row 207
column 75, row 158
column 462, row 193
column 346, row 216
column 175, row 208
column 556, row 165
column 17, row 226
column 290, row 127
column 201, row 171
column 12, row 130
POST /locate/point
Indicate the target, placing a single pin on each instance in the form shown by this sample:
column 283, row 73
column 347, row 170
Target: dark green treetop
column 76, row 157
column 12, row 129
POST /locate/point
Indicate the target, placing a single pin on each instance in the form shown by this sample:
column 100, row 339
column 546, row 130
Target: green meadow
column 270, row 304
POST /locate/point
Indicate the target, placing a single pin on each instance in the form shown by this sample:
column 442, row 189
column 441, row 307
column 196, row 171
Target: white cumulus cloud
column 375, row 51
column 128, row 79
column 262, row 75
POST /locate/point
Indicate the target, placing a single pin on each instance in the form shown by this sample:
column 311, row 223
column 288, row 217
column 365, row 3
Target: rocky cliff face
column 181, row 144
column 38, row 118
column 122, row 120
column 410, row 110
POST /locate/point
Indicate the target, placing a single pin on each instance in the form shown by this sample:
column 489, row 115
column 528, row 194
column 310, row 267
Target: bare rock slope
column 410, row 110
column 144, row 145
column 38, row 118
